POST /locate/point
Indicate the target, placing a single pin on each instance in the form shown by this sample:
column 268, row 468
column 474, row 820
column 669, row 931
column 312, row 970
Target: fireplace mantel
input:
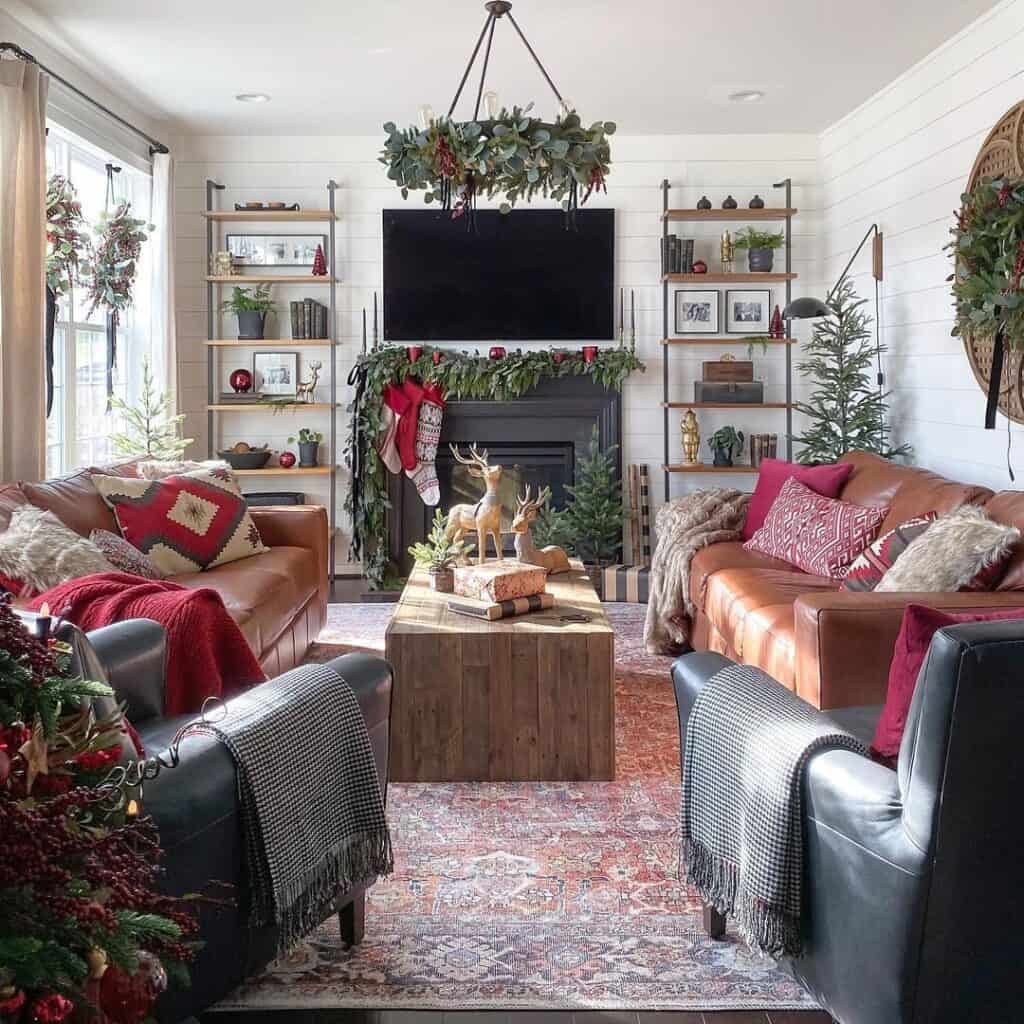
column 558, row 410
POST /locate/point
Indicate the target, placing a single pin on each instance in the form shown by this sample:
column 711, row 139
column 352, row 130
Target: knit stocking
column 407, row 425
column 428, row 433
column 395, row 405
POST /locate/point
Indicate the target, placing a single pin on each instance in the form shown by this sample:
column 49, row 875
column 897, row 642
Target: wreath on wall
column 515, row 156
column 460, row 375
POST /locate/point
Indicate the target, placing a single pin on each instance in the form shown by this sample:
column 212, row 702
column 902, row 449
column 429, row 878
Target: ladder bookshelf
column 216, row 346
column 669, row 215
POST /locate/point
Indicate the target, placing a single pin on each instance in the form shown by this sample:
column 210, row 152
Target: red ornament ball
column 700, row 267
column 286, row 460
column 241, row 381
column 436, row 356
column 128, row 998
column 51, row 1008
column 497, row 352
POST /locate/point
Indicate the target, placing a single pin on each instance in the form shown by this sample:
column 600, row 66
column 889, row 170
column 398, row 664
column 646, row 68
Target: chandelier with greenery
column 510, row 153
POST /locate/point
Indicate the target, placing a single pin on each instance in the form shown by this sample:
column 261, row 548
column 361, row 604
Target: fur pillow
column 40, row 550
column 949, row 556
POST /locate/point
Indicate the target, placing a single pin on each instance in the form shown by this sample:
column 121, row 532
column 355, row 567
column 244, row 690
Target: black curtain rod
column 155, row 146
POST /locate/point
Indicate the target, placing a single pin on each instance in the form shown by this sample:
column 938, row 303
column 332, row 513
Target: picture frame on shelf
column 274, row 250
column 748, row 311
column 697, row 312
column 276, row 373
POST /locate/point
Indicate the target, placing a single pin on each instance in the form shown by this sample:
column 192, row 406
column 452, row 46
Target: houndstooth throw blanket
column 747, row 743
column 684, row 526
column 311, row 802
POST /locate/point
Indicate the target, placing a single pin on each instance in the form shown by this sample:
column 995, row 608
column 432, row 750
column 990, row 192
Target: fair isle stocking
column 428, row 433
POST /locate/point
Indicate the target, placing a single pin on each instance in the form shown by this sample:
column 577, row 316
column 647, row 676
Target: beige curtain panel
column 22, row 270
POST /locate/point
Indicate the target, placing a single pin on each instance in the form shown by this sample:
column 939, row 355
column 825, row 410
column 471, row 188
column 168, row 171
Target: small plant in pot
column 309, row 446
column 438, row 554
column 250, row 306
column 726, row 443
column 760, row 246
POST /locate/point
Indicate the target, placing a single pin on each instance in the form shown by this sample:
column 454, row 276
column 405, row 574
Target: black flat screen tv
column 520, row 276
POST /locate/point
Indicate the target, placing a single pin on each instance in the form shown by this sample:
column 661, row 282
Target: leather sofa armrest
column 134, row 655
column 845, row 639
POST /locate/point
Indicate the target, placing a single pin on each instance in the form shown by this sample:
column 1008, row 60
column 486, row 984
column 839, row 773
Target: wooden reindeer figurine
column 304, row 389
column 552, row 558
column 485, row 516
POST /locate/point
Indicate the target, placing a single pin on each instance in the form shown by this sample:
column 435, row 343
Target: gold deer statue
column 485, row 516
column 304, row 389
column 552, row 558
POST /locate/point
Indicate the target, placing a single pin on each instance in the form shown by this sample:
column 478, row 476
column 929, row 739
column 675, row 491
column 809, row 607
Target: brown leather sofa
column 278, row 598
column 834, row 647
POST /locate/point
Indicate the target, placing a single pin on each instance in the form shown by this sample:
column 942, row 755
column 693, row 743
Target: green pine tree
column 149, row 429
column 590, row 526
column 846, row 409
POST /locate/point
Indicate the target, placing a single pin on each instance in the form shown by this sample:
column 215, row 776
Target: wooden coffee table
column 519, row 699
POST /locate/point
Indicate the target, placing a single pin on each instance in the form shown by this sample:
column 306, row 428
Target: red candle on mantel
column 589, row 353
column 497, row 352
column 414, row 352
column 437, row 355
column 557, row 357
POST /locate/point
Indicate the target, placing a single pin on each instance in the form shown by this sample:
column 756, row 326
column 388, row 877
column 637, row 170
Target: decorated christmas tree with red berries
column 319, row 263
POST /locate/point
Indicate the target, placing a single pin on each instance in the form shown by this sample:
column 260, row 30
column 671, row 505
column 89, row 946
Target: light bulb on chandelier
column 566, row 106
column 426, row 115
column 492, row 104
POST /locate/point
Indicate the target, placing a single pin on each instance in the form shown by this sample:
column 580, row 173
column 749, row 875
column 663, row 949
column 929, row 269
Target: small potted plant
column 726, row 443
column 251, row 306
column 438, row 554
column 309, row 446
column 760, row 246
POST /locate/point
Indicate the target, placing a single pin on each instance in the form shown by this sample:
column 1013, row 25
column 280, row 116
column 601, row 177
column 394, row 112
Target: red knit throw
column 207, row 656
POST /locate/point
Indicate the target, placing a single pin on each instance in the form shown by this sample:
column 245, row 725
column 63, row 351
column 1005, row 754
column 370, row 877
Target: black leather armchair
column 195, row 806
column 913, row 890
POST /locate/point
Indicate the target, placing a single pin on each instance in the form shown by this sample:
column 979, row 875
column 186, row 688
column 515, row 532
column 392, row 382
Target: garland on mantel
column 461, row 375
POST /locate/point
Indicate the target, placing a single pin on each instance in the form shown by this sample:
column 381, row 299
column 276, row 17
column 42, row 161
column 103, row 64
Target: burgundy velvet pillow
column 919, row 626
column 773, row 473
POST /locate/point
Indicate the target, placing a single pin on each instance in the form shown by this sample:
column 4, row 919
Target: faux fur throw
column 684, row 526
column 951, row 553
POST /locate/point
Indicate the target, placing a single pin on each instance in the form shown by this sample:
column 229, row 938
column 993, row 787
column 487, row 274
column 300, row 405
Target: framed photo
column 276, row 373
column 748, row 312
column 274, row 250
column 697, row 312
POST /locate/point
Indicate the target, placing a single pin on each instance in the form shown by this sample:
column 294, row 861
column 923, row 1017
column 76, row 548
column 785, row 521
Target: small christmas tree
column 846, row 408
column 319, row 263
column 590, row 526
column 149, row 429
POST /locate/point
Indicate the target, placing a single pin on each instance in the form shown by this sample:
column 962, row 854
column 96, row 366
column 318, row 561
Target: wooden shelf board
column 703, row 467
column 280, row 471
column 270, row 215
column 250, row 343
column 768, row 213
column 739, row 277
column 243, row 279
column 733, row 340
column 261, row 407
column 726, row 405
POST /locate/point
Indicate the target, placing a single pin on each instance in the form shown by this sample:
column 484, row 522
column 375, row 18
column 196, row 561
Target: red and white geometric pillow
column 820, row 535
column 877, row 559
column 183, row 523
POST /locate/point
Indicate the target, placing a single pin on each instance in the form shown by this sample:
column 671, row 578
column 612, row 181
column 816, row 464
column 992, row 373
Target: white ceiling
column 343, row 68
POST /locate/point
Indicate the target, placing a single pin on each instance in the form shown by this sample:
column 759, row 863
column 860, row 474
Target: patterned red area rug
column 548, row 895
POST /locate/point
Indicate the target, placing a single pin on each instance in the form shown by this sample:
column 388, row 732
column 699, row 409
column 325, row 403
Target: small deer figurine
column 485, row 516
column 304, row 389
column 552, row 558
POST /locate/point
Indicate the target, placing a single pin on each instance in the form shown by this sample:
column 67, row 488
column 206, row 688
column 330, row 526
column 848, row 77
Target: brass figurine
column 690, row 431
column 305, row 388
column 726, row 250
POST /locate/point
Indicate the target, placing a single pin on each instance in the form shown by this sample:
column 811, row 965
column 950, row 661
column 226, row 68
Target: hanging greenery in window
column 65, row 235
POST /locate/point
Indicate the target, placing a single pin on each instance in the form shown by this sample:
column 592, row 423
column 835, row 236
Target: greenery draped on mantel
column 462, row 375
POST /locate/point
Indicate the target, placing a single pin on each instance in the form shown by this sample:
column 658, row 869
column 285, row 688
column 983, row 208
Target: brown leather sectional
column 278, row 598
column 833, row 647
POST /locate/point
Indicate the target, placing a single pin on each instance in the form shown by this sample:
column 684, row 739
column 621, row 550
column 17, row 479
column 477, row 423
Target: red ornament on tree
column 776, row 328
column 319, row 263
column 128, row 998
column 557, row 357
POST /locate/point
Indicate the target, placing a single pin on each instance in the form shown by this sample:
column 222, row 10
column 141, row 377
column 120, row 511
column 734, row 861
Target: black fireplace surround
column 537, row 437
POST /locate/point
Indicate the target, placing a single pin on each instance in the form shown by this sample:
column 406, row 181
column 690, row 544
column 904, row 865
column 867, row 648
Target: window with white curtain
column 77, row 432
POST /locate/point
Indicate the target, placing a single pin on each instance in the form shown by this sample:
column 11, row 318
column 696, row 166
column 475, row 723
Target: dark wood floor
column 516, row 1017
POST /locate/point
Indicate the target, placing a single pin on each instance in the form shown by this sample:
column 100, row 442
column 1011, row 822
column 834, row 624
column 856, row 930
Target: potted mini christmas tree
column 439, row 554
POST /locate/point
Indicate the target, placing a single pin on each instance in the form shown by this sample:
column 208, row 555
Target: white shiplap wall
column 296, row 169
column 902, row 159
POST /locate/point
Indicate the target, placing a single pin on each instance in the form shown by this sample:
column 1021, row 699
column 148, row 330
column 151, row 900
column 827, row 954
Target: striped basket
column 627, row 583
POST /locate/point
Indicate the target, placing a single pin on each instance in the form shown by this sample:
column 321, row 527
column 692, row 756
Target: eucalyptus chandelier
column 509, row 153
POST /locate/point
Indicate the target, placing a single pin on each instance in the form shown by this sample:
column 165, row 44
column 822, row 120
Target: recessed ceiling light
column 252, row 97
column 746, row 96
column 377, row 51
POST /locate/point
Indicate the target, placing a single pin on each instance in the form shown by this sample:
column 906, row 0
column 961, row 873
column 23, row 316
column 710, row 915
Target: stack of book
column 676, row 255
column 309, row 319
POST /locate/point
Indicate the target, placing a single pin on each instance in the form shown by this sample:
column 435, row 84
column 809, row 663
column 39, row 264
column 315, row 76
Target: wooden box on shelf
column 738, row 393
column 728, row 370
